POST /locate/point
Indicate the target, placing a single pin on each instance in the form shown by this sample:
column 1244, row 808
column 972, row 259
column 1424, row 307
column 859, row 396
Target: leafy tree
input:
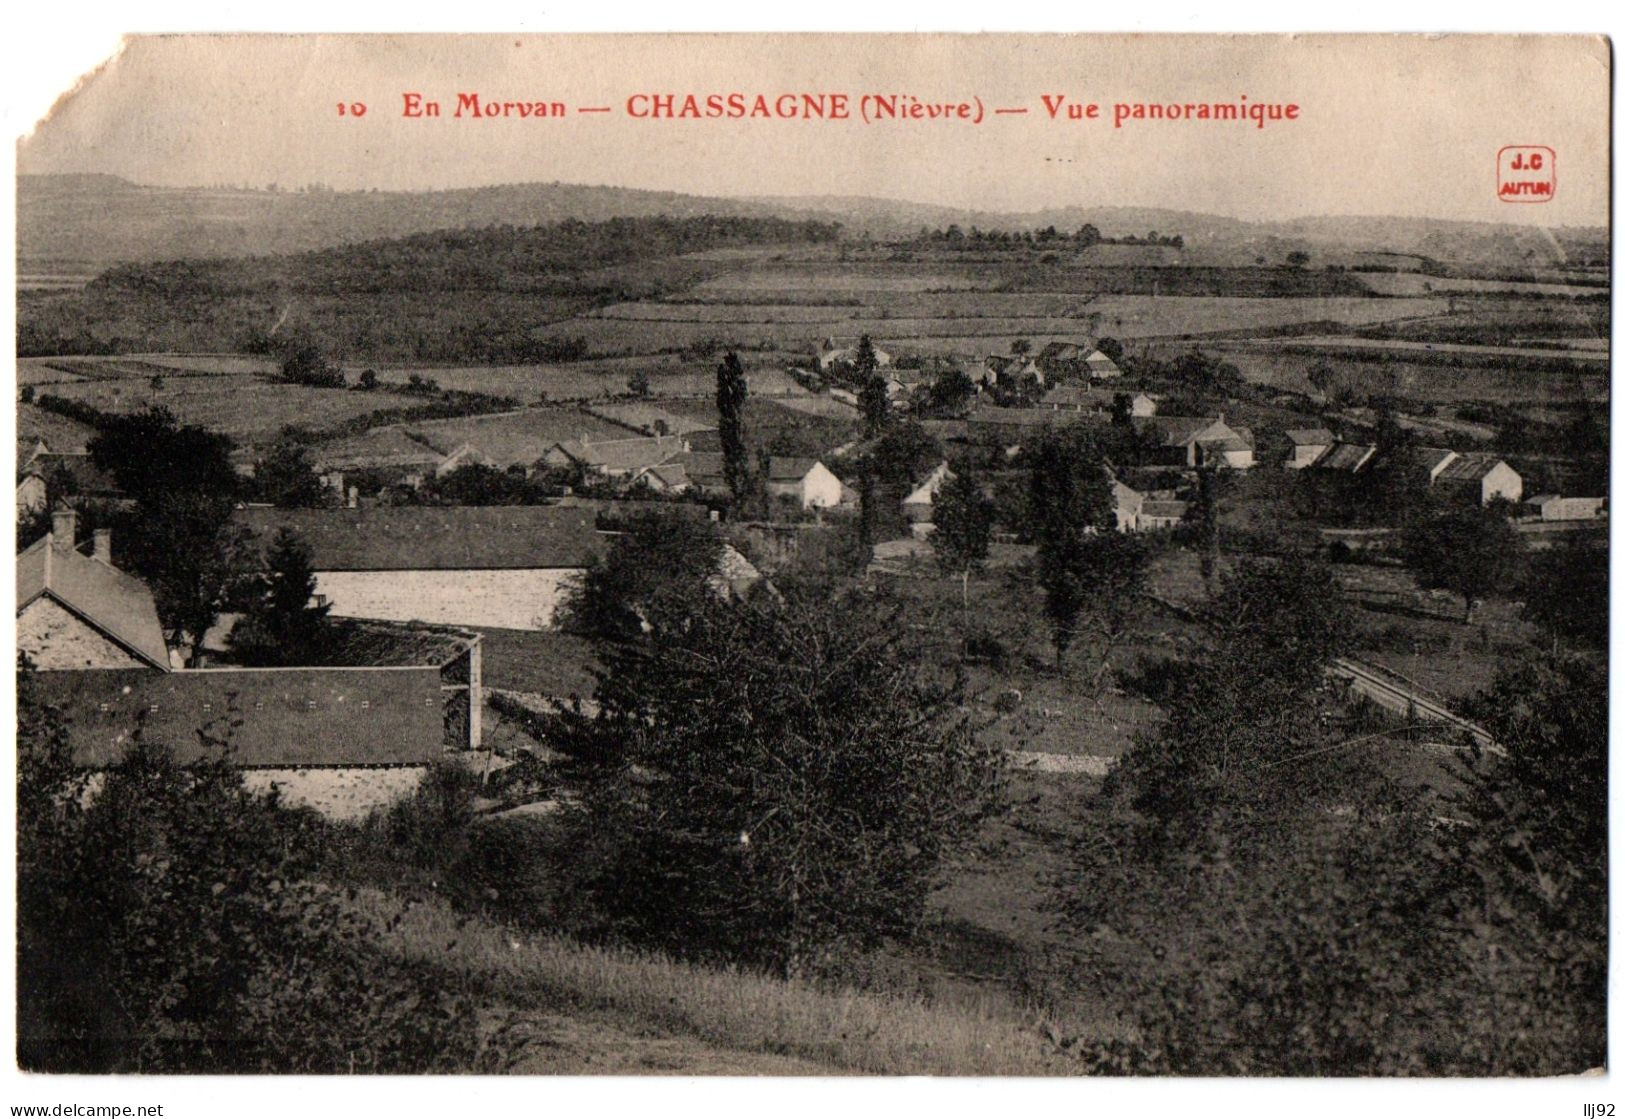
column 285, row 477
column 1203, row 522
column 647, row 576
column 865, row 363
column 1297, row 259
column 195, row 560
column 875, row 405
column 179, row 537
column 368, row 380
column 1111, row 347
column 1566, row 592
column 1470, row 551
column 304, row 364
column 1087, row 237
column 1070, row 501
column 904, row 453
column 478, row 484
column 639, row 383
column 731, row 392
column 1255, row 700
column 950, row 392
column 963, row 516
column 281, row 625
column 170, row 924
column 775, row 782
column 150, row 455
column 1322, row 376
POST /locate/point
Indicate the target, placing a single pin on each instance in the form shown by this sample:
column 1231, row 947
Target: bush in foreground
column 166, row 924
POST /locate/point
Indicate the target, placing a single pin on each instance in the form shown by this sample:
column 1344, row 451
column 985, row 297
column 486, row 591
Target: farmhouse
column 831, row 354
column 1346, row 458
column 1200, row 441
column 343, row 741
column 615, row 458
column 1094, row 401
column 1551, row 507
column 1127, row 504
column 1101, row 367
column 668, row 477
column 1480, row 477
column 46, row 476
column 1162, row 514
column 80, row 612
column 918, row 505
column 1308, row 445
column 806, row 480
column 1428, row 462
column 503, row 566
column 465, row 454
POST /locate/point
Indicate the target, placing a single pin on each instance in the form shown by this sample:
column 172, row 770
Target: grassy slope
column 582, row 1005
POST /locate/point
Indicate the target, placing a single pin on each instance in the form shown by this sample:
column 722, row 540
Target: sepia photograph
column 814, row 555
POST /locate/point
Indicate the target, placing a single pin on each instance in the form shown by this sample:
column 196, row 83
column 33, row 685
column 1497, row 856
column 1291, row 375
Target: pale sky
column 1387, row 125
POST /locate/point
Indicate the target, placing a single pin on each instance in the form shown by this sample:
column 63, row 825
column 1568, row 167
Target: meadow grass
column 844, row 1030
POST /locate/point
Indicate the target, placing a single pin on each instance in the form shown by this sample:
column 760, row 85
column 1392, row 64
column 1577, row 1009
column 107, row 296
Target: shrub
column 169, row 925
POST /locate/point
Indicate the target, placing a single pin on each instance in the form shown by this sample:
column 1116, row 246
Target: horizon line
column 791, row 199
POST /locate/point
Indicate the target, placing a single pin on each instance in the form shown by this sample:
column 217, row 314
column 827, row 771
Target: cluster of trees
column 542, row 258
column 775, row 779
column 178, row 537
column 169, row 922
column 1086, row 236
column 1284, row 907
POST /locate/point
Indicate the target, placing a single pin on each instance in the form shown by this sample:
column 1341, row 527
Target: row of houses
column 1134, row 510
column 343, row 740
column 1479, row 476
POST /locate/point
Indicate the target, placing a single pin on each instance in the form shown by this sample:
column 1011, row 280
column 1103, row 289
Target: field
column 60, row 433
column 965, row 323
column 778, row 428
column 1401, row 348
column 1414, row 283
column 1426, row 383
column 246, row 407
column 509, row 438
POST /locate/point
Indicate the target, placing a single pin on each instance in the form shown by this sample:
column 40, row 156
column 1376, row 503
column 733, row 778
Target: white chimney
column 353, row 498
column 65, row 526
column 101, row 547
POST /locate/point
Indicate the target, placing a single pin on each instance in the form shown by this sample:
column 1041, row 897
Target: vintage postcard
column 815, row 555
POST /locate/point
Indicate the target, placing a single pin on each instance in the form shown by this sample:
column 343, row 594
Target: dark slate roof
column 435, row 538
column 118, row 605
column 1345, row 456
column 705, row 468
column 282, row 717
column 1176, row 431
column 783, row 469
column 1014, row 417
column 1469, row 467
column 623, row 454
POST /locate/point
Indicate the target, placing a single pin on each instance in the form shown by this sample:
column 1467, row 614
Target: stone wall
column 55, row 638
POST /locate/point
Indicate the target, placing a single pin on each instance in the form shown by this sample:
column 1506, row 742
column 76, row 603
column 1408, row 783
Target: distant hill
column 83, row 222
column 101, row 219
